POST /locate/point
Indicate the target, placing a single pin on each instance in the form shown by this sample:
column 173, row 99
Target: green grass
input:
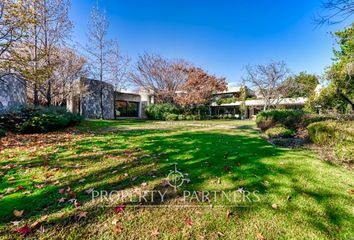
column 314, row 199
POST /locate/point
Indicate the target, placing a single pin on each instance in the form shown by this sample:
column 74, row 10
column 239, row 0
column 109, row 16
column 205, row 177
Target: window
column 127, row 109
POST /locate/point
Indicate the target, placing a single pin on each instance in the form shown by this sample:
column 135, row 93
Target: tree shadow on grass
column 238, row 159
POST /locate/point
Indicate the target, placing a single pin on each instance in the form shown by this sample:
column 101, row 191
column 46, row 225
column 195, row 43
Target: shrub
column 331, row 132
column 36, row 119
column 197, row 110
column 289, row 118
column 181, row 117
column 160, row 111
column 337, row 135
column 190, row 117
column 171, row 117
column 279, row 132
column 312, row 118
column 2, row 132
column 345, row 151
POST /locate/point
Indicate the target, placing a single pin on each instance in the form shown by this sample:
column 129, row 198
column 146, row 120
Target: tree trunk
column 46, row 45
column 49, row 93
column 35, row 95
column 35, row 86
column 101, row 79
column 101, row 99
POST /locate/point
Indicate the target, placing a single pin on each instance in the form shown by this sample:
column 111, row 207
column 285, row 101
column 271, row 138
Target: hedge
column 36, row 119
column 293, row 119
column 171, row 112
column 288, row 118
column 160, row 111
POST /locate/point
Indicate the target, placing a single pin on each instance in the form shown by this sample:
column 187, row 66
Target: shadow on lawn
column 239, row 159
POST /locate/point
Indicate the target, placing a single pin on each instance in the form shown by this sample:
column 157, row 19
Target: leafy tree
column 35, row 57
column 327, row 99
column 14, row 19
column 29, row 57
column 199, row 88
column 341, row 73
column 301, row 85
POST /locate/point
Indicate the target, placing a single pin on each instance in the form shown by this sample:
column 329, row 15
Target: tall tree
column 118, row 66
column 99, row 49
column 161, row 76
column 335, row 11
column 35, row 57
column 14, row 19
column 28, row 57
column 56, row 27
column 199, row 88
column 341, row 73
column 70, row 68
column 268, row 80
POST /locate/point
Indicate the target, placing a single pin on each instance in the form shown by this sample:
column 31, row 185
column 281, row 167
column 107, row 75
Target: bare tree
column 70, row 68
column 161, row 76
column 56, row 28
column 118, row 67
column 335, row 11
column 268, row 80
column 98, row 49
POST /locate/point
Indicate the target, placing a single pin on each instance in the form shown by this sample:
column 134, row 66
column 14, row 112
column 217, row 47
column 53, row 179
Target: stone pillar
column 91, row 97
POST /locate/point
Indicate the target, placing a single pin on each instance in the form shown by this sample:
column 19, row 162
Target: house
column 229, row 103
column 85, row 99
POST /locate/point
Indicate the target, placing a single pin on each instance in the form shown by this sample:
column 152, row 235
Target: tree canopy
column 300, row 85
column 341, row 73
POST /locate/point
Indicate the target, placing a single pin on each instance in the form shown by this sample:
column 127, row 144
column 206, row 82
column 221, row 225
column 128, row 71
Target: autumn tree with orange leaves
column 199, row 88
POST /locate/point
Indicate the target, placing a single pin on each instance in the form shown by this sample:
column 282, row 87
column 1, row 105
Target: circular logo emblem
column 175, row 178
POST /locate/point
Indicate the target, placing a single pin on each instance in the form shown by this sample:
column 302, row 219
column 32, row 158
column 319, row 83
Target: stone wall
column 85, row 99
column 12, row 91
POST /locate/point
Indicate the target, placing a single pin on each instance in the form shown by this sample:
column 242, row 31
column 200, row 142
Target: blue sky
column 220, row 36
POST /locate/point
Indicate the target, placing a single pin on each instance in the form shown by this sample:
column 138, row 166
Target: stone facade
column 12, row 91
column 85, row 99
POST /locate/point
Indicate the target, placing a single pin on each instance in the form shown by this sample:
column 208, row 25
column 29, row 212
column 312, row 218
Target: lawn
column 299, row 196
